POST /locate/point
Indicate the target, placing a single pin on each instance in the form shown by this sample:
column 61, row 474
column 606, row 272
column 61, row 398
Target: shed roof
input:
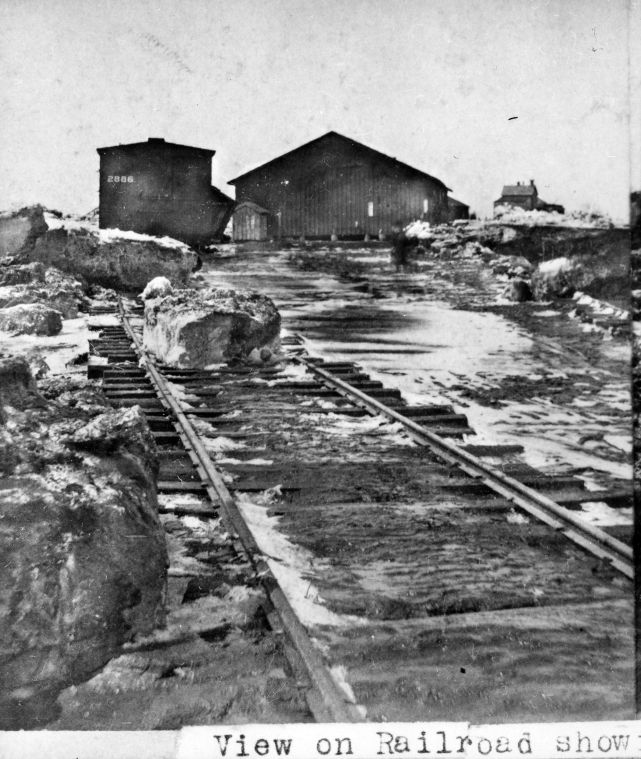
column 252, row 205
column 454, row 201
column 519, row 189
column 350, row 141
column 155, row 142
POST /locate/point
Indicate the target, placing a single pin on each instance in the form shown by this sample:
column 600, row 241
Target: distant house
column 525, row 196
column 457, row 210
column 334, row 185
column 161, row 188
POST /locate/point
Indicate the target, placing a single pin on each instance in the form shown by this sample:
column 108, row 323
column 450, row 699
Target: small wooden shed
column 249, row 222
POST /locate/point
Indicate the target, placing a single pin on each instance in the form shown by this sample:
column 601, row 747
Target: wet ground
column 512, row 642
column 523, row 373
column 429, row 600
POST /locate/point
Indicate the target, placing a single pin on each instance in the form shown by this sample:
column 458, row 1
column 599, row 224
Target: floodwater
column 527, row 374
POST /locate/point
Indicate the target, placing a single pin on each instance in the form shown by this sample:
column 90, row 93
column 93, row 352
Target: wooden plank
column 171, row 486
column 492, row 450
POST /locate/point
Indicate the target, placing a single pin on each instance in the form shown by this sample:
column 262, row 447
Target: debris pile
column 508, row 214
column 157, row 288
column 20, row 229
column 34, row 283
column 542, row 262
column 106, row 257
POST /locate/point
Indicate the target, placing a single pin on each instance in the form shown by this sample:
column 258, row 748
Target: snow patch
column 339, row 675
column 514, row 517
column 555, row 265
column 182, row 500
column 290, row 564
column 600, row 306
column 599, row 513
column 181, row 394
column 291, row 371
column 59, row 350
column 158, row 287
column 103, row 320
column 110, row 235
column 419, row 229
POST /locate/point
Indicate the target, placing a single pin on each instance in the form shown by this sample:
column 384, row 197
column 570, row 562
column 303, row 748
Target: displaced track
column 316, row 492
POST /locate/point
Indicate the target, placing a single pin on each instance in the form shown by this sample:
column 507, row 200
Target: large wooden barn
column 334, row 185
column 161, row 188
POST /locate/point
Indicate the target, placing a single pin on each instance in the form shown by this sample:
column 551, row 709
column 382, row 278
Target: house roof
column 396, row 162
column 454, row 201
column 519, row 189
column 155, row 142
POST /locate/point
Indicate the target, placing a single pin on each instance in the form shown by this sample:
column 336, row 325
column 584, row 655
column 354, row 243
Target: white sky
column 432, row 82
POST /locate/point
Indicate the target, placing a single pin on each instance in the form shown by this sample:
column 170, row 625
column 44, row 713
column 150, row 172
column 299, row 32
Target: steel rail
column 592, row 539
column 329, row 701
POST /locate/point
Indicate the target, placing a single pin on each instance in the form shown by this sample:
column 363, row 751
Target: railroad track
column 339, row 391
column 596, row 541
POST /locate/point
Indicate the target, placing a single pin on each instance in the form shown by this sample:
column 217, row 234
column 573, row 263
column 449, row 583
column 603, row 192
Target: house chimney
column 518, row 184
column 532, row 182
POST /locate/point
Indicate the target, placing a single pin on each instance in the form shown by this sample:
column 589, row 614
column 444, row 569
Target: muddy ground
column 530, row 373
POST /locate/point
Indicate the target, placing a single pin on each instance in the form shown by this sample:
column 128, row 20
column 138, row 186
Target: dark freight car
column 336, row 186
column 161, row 188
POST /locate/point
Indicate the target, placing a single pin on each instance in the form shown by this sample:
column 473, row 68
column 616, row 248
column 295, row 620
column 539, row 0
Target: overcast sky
column 436, row 83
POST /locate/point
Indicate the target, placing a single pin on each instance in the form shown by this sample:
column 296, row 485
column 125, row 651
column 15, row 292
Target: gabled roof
column 252, row 205
column 350, row 141
column 220, row 195
column 519, row 189
column 154, row 142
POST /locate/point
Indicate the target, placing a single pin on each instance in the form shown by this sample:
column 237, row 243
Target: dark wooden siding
column 249, row 224
column 167, row 191
column 325, row 189
column 457, row 210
